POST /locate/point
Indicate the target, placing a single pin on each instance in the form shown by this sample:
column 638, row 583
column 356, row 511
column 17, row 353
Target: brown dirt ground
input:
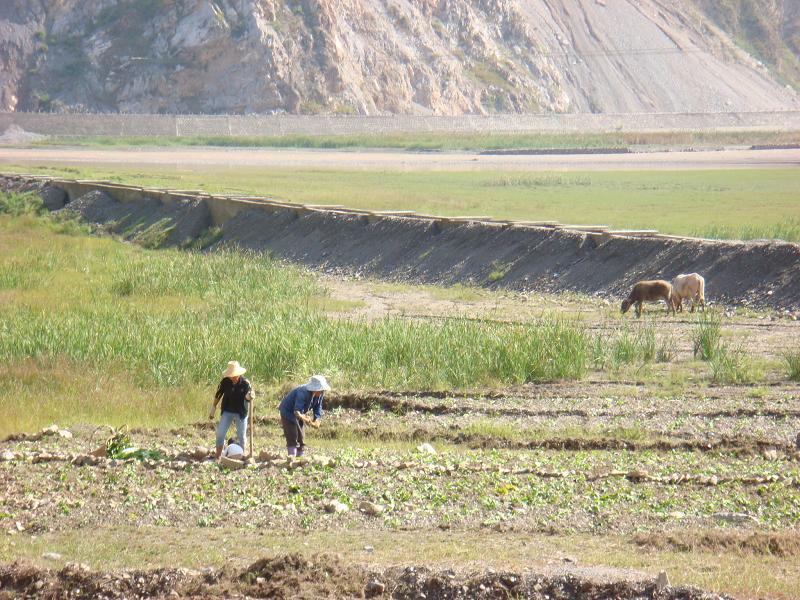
column 309, row 578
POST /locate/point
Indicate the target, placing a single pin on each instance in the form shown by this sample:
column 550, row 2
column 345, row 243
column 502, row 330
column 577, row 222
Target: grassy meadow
column 449, row 141
column 726, row 204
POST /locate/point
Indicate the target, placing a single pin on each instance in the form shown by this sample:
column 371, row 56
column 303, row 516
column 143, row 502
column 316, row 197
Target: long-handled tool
column 252, row 419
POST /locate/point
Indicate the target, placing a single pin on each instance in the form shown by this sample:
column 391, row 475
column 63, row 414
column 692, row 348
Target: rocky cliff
column 379, row 56
column 770, row 29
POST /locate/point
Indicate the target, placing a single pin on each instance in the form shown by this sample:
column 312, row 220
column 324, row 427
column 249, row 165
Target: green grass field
column 732, row 204
column 451, row 141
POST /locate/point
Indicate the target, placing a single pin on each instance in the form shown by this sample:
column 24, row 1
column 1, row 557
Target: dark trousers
column 293, row 432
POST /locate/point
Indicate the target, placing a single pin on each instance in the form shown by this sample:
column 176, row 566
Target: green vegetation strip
column 175, row 317
column 449, row 141
column 730, row 204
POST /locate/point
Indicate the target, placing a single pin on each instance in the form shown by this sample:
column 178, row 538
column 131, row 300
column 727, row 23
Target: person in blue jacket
column 294, row 410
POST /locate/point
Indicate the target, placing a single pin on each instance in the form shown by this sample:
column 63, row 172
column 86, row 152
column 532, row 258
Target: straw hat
column 317, row 383
column 234, row 369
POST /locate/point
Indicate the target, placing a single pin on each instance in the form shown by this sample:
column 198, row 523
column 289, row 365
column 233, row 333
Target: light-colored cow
column 691, row 286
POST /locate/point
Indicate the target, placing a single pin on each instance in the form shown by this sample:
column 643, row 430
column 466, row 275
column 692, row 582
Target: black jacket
column 233, row 396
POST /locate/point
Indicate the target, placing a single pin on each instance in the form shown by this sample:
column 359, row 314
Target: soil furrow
column 294, row 576
column 733, row 445
column 182, row 461
column 392, row 404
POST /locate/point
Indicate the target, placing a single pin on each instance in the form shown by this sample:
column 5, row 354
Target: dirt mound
column 15, row 134
column 79, row 582
column 757, row 273
column 293, row 576
column 736, row 445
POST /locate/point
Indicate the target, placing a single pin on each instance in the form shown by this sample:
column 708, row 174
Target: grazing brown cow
column 649, row 291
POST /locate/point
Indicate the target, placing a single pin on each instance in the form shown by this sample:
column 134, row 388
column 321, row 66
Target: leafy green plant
column 119, row 445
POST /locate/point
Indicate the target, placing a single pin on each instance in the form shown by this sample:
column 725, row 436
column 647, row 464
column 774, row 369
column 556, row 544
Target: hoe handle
column 252, row 418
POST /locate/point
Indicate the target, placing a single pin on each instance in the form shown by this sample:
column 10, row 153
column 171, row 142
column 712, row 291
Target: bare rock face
column 373, row 57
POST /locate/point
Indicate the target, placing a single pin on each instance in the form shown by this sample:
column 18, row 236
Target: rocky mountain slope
column 770, row 29
column 389, row 56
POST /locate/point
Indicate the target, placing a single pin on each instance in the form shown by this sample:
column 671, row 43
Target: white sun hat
column 317, row 383
column 234, row 369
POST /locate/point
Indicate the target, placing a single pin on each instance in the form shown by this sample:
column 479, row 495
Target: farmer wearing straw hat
column 293, row 408
column 236, row 394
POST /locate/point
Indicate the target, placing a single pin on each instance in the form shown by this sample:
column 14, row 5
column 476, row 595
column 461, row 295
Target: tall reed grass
column 176, row 317
column 788, row 230
column 732, row 365
column 708, row 335
column 632, row 344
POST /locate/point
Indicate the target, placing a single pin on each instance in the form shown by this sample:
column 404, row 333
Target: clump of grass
column 599, row 352
column 155, row 235
column 208, row 238
column 634, row 344
column 792, row 362
column 731, row 365
column 19, row 204
column 707, row 335
column 492, row 429
column 499, row 270
column 666, row 350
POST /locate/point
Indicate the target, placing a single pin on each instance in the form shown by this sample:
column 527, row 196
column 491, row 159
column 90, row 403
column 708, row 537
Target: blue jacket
column 299, row 399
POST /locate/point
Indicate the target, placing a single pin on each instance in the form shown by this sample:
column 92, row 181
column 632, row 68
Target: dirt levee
column 761, row 273
column 440, row 251
column 293, row 576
